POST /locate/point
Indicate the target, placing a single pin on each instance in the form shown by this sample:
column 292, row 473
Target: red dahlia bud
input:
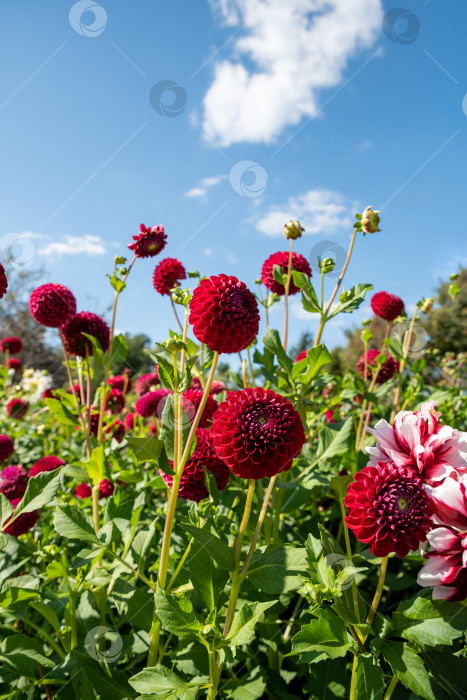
column 386, row 372
column 387, row 306
column 257, row 433
column 224, row 314
column 3, row 281
column 14, row 363
column 82, row 491
column 149, row 242
column 16, row 408
column 85, row 322
column 6, row 447
column 46, row 464
column 13, row 345
column 281, row 258
column 106, row 488
column 52, row 305
column 167, row 274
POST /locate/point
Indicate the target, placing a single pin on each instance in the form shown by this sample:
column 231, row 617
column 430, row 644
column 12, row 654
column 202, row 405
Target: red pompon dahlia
column 3, row 281
column 46, row 464
column 149, row 242
column 106, row 488
column 7, row 447
column 192, row 484
column 387, row 306
column 115, row 401
column 389, row 509
column 85, row 322
column 13, row 345
column 50, row 394
column 386, row 371
column 16, row 408
column 77, row 389
column 130, row 421
column 82, row 491
column 13, row 481
column 23, row 522
column 191, row 401
column 217, row 387
column 257, row 433
column 14, row 363
column 116, row 430
column 145, row 383
column 152, row 403
column 301, row 355
column 167, row 274
column 52, row 305
column 281, row 258
column 224, row 314
column 122, row 382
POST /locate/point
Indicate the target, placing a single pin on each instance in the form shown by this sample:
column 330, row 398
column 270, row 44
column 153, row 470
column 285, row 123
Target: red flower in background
column 16, row 408
column 14, row 363
column 46, row 464
column 122, row 382
column 301, row 355
column 23, row 522
column 85, row 322
column 115, row 401
column 7, row 447
column 192, row 484
column 3, row 281
column 149, row 242
column 217, row 387
column 83, row 490
column 152, row 403
column 13, row 345
column 389, row 509
column 167, row 274
column 77, row 389
column 387, row 306
column 116, row 430
column 145, row 383
column 224, row 314
column 52, row 305
column 191, row 401
column 281, row 258
column 130, row 421
column 386, row 371
column 257, row 433
column 13, row 481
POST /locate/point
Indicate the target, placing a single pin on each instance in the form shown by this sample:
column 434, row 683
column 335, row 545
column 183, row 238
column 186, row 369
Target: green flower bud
column 370, row 221
column 293, row 230
column 427, row 305
column 326, row 265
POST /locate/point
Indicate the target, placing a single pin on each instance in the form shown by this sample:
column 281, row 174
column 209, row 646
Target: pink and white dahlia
column 416, row 439
column 446, row 568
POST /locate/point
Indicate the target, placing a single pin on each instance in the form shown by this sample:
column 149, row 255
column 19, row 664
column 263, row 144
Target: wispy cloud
column 74, row 245
column 228, row 255
column 285, row 54
column 320, row 211
column 205, row 185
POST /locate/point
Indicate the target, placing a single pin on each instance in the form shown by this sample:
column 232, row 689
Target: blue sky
column 278, row 111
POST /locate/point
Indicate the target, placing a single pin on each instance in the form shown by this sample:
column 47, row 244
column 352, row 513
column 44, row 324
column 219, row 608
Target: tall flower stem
column 72, row 386
column 405, row 354
column 325, row 315
column 390, row 689
column 259, row 524
column 253, row 384
column 176, row 314
column 349, row 557
column 379, row 590
column 286, row 297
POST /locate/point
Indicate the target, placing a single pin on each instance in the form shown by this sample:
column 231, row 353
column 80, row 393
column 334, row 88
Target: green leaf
column 351, row 299
column 6, row 509
column 177, row 615
column 429, row 622
column 244, row 622
column 14, row 597
column 273, row 343
column 119, row 349
column 334, row 441
column 85, row 556
column 409, row 668
column 309, row 299
column 40, row 491
column 117, row 284
column 97, row 351
column 166, row 373
column 324, row 637
column 340, row 484
column 73, row 524
column 62, row 414
column 145, row 449
column 219, row 550
column 163, row 682
column 23, row 654
column 450, row 671
column 317, row 357
column 370, row 679
column 142, row 544
column 95, row 466
column 276, row 568
column 168, row 425
column 279, row 275
column 207, row 577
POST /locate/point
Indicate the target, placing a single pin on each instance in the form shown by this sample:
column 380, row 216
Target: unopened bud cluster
column 293, row 230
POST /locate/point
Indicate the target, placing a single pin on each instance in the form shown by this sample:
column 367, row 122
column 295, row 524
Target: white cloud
column 75, row 245
column 319, row 211
column 284, row 54
column 228, row 255
column 206, row 184
column 195, row 192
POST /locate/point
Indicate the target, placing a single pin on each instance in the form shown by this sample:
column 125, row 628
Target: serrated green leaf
column 276, row 568
column 74, row 525
column 119, row 349
column 351, row 299
column 409, row 668
column 207, row 577
column 324, row 637
column 62, row 414
column 370, row 679
column 162, row 681
column 242, row 630
column 219, row 550
column 23, row 654
column 40, row 491
column 177, row 615
column 146, row 448
column 273, row 343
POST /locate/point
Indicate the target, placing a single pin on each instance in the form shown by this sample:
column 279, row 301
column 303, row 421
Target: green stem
column 349, row 557
column 353, row 682
column 379, row 590
column 391, row 687
column 253, row 384
column 286, row 297
column 267, row 497
column 180, row 565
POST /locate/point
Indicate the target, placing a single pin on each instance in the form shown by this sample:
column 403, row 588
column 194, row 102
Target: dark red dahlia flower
column 257, row 433
column 224, row 314
column 122, row 382
column 46, row 464
column 152, row 403
column 386, row 372
column 52, row 305
column 167, row 274
column 14, row 363
column 16, row 408
column 23, row 522
column 77, row 389
column 106, row 488
column 281, row 258
column 389, row 509
column 7, row 447
column 301, row 355
column 149, row 242
column 3, row 281
column 13, row 345
column 192, row 484
column 82, row 491
column 13, row 481
column 145, row 383
column 115, row 401
column 85, row 322
column 217, row 387
column 116, row 430
column 191, row 401
column 130, row 421
column 387, row 306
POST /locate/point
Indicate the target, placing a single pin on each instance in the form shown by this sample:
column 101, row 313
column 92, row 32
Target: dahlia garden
column 281, row 531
